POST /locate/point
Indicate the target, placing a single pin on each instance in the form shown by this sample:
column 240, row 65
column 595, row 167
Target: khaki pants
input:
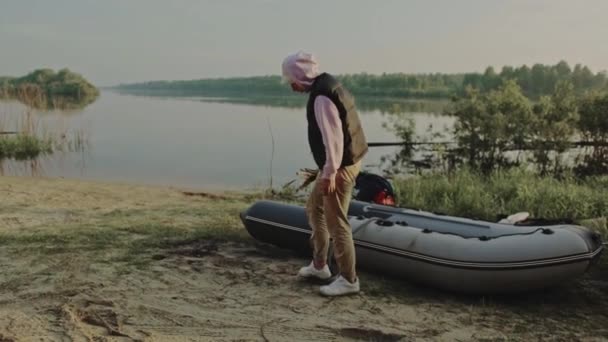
column 327, row 216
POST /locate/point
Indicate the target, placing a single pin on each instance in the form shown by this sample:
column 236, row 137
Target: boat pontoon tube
column 447, row 252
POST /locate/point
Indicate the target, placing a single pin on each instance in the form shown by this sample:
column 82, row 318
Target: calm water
column 188, row 142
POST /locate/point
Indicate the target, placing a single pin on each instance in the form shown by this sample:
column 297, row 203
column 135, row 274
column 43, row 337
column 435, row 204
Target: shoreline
column 213, row 188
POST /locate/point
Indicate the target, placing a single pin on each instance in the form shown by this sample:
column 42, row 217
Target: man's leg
column 319, row 238
column 336, row 213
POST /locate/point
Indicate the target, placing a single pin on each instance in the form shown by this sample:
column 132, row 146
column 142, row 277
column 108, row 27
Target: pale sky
column 121, row 41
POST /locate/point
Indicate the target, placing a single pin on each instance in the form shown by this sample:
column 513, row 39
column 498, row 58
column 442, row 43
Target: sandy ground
column 88, row 289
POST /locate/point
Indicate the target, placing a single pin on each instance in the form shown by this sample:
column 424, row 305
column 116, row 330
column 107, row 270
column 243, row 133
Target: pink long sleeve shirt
column 328, row 119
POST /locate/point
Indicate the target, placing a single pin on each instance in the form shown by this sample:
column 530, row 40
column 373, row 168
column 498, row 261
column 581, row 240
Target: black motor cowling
column 374, row 188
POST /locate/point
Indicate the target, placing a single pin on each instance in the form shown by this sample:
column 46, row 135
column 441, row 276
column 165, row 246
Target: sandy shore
column 92, row 261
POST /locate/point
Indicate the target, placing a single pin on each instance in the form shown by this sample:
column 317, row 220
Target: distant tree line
column 538, row 80
column 45, row 88
column 534, row 81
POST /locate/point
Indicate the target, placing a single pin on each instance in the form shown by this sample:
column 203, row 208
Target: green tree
column 563, row 70
column 488, row 125
column 491, row 80
column 593, row 127
column 554, row 125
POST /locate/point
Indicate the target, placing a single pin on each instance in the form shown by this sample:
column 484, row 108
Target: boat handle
column 384, row 223
column 387, row 223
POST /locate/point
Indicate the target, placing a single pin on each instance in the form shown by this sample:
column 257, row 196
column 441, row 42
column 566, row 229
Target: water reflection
column 192, row 142
column 47, row 165
column 364, row 104
column 27, row 134
column 31, row 168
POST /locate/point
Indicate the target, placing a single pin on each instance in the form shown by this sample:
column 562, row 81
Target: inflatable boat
column 446, row 252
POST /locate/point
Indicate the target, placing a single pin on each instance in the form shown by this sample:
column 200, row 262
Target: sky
column 123, row 41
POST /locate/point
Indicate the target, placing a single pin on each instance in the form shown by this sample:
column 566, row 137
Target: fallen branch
column 268, row 323
column 204, row 195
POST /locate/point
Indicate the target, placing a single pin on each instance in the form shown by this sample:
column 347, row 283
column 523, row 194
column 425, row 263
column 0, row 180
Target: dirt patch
column 96, row 313
column 5, row 339
column 196, row 250
column 232, row 291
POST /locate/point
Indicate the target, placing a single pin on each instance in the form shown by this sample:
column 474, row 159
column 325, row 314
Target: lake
column 191, row 142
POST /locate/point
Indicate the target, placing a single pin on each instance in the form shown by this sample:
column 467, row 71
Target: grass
column 128, row 226
column 24, row 146
column 470, row 194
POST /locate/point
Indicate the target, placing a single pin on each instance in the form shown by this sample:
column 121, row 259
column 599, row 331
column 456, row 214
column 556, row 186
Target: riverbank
column 84, row 260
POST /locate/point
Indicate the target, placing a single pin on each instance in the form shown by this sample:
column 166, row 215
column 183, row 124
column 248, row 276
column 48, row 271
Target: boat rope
column 381, row 222
column 546, row 231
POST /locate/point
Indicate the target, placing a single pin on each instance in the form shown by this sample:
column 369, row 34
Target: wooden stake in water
column 272, row 153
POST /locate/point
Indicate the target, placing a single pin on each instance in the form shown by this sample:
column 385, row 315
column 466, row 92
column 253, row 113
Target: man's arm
column 328, row 119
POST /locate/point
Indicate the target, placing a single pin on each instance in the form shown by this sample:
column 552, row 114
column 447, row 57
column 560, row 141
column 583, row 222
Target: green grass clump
column 24, row 146
column 470, row 194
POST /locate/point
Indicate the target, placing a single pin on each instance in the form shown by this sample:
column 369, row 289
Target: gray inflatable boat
column 451, row 253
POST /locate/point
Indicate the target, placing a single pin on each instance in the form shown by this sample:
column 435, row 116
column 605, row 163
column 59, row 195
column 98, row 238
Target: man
column 338, row 145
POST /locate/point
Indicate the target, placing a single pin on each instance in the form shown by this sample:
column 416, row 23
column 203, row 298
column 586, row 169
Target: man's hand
column 328, row 185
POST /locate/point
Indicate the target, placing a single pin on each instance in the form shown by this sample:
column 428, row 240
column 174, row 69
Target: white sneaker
column 339, row 287
column 311, row 271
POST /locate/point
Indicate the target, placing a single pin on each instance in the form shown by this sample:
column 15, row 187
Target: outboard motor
column 374, row 188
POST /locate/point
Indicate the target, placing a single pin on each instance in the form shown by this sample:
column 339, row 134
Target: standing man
column 338, row 145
